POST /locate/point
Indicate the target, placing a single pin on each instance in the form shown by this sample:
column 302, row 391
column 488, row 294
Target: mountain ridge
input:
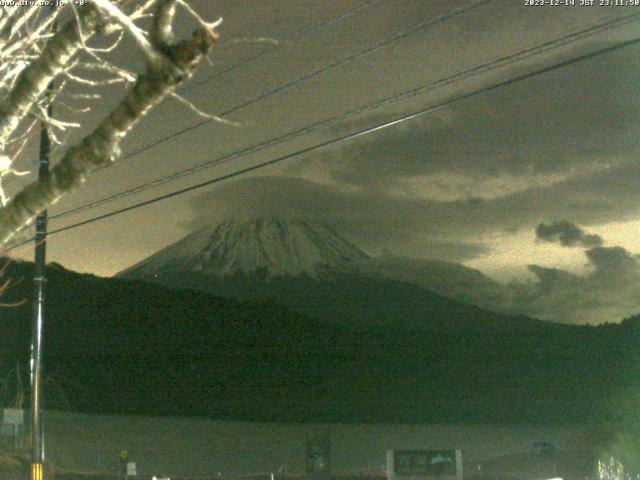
column 126, row 346
column 310, row 268
column 272, row 245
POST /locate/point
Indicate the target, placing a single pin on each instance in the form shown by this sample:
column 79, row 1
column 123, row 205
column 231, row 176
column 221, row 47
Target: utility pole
column 36, row 472
column 39, row 279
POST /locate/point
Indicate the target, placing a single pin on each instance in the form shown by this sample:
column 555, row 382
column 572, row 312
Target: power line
column 196, row 84
column 498, row 63
column 350, row 136
column 337, row 63
column 315, row 26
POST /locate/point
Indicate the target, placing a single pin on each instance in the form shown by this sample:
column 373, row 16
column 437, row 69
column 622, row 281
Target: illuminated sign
column 424, row 464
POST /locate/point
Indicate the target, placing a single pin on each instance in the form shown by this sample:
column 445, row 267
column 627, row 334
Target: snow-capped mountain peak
column 272, row 245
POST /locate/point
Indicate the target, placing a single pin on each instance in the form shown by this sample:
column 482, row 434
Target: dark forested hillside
column 130, row 347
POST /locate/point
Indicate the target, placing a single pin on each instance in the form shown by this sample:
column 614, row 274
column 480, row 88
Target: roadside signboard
column 318, row 454
column 424, row 465
column 13, row 416
column 12, row 428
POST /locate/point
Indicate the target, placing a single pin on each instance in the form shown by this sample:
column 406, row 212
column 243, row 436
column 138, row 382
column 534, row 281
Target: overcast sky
column 470, row 182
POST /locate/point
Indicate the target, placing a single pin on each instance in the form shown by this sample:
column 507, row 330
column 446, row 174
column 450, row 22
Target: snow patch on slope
column 273, row 245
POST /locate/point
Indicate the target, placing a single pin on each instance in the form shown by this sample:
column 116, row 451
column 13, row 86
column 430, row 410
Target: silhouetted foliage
column 137, row 348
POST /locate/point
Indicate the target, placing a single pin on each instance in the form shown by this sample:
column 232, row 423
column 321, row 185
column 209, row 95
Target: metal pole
column 37, row 425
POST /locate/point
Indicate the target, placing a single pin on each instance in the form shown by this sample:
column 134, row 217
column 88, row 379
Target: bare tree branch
column 148, row 51
column 102, row 146
column 162, row 31
column 33, row 80
column 202, row 113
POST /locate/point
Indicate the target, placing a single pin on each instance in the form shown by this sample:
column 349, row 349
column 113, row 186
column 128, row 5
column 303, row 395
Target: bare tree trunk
column 102, row 146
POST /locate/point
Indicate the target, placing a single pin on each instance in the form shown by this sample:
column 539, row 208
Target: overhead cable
column 343, row 138
column 428, row 87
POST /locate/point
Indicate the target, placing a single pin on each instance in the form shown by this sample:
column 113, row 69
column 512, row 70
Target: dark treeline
column 114, row 346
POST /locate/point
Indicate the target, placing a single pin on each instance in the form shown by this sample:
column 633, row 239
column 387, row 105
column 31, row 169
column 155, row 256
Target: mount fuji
column 269, row 246
column 312, row 269
column 343, row 345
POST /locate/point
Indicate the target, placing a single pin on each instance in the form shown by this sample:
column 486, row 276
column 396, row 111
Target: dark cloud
column 372, row 220
column 613, row 261
column 427, row 229
column 567, row 234
column 550, row 124
column 591, row 198
column 609, row 292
